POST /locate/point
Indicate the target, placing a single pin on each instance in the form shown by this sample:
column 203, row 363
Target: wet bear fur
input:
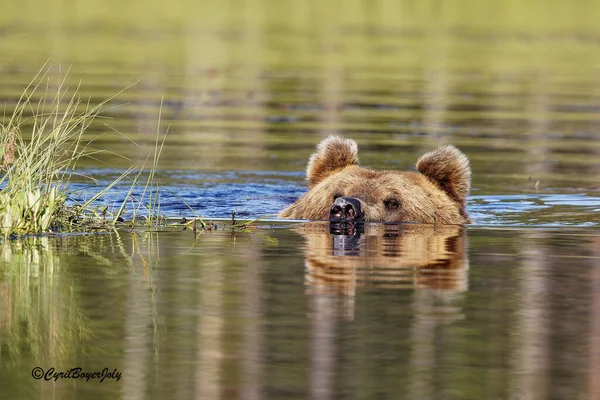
column 435, row 194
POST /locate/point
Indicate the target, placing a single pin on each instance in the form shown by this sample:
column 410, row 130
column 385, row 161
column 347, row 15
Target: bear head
column 341, row 190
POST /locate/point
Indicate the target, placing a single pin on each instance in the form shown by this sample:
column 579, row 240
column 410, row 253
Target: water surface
column 411, row 311
column 504, row 308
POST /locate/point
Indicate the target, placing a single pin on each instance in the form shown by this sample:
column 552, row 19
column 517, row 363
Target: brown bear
column 341, row 190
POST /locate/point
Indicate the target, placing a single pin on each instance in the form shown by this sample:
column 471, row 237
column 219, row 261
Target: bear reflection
column 432, row 259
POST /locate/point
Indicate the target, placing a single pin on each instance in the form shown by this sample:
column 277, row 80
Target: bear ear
column 333, row 154
column 449, row 168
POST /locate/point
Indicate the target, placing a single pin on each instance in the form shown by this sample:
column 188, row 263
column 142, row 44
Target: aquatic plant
column 40, row 146
column 29, row 211
column 37, row 169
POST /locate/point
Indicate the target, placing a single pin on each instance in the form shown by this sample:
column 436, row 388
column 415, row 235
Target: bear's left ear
column 449, row 168
column 333, row 154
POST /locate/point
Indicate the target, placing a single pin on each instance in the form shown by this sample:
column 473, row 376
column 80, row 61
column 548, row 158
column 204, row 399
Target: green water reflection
column 400, row 311
column 255, row 85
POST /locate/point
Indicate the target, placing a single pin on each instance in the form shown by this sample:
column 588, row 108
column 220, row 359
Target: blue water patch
column 535, row 209
column 208, row 194
column 253, row 194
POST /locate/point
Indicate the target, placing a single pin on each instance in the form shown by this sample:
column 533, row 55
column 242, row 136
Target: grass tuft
column 40, row 146
column 37, row 169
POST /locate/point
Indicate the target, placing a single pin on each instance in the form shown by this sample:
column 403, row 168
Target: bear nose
column 345, row 209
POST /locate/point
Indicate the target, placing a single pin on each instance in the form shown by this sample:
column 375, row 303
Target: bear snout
column 346, row 209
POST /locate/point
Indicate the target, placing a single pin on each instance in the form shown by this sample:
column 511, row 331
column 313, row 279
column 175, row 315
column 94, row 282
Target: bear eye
column 391, row 204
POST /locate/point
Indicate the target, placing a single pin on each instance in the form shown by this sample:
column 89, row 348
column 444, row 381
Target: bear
column 431, row 259
column 339, row 189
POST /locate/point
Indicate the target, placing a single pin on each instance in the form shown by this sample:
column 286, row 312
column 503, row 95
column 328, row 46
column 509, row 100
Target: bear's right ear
column 333, row 154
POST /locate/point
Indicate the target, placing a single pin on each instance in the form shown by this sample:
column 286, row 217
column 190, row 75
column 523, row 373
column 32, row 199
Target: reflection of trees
column 57, row 293
column 210, row 331
column 39, row 314
column 42, row 322
column 523, row 334
column 532, row 356
column 119, row 298
column 184, row 315
column 228, row 315
column 253, row 342
column 140, row 309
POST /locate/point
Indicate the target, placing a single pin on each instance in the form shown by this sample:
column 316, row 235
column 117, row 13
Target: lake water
column 506, row 308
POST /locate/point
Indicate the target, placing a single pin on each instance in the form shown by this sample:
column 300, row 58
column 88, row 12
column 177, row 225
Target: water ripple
column 257, row 193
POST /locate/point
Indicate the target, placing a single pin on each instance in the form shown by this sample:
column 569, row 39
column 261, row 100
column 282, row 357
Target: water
column 418, row 311
column 503, row 309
